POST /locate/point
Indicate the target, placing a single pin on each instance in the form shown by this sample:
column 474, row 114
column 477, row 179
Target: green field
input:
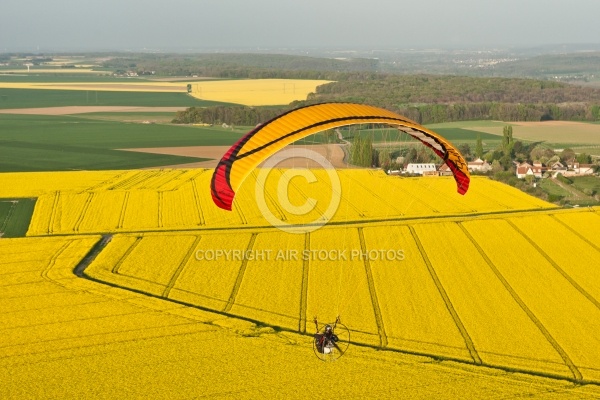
column 587, row 182
column 452, row 134
column 34, row 98
column 59, row 143
column 591, row 150
column 550, row 187
column 63, row 78
column 15, row 215
column 163, row 117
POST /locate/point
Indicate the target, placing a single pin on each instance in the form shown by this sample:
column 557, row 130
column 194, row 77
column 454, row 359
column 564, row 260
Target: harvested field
column 549, row 131
column 332, row 152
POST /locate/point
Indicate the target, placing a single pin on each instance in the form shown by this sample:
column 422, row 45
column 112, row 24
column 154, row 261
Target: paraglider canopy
column 270, row 137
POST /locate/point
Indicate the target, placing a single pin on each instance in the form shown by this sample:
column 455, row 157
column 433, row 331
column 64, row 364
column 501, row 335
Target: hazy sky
column 203, row 24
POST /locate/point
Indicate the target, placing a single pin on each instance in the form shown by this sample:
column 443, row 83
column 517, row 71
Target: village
column 537, row 170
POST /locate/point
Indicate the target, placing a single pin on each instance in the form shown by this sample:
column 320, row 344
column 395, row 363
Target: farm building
column 415, row 168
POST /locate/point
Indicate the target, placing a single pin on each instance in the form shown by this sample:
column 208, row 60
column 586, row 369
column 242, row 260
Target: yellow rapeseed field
column 250, row 92
column 449, row 289
column 489, row 279
column 256, row 92
column 567, row 317
column 152, row 200
column 71, row 337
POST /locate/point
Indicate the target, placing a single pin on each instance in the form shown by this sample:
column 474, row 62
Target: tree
column 384, row 158
column 540, row 152
column 567, row 155
column 411, row 156
column 507, row 140
column 583, row 158
column 496, row 166
column 479, row 147
column 361, row 152
column 465, row 150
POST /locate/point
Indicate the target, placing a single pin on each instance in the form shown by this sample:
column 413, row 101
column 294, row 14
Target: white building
column 479, row 165
column 420, row 168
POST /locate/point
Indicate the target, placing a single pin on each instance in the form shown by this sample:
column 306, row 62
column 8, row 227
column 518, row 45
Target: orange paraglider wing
column 270, row 137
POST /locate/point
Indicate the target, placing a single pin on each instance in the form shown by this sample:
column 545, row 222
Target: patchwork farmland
column 463, row 272
column 130, row 282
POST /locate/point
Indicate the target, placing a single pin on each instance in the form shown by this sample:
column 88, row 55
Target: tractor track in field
column 102, row 243
column 53, row 213
column 197, row 204
column 574, row 231
column 383, row 340
column 557, row 267
column 84, row 211
column 123, row 211
column 457, row 321
column 9, row 215
column 181, row 267
column 304, row 292
column 240, row 277
column 115, row 269
column 577, row 376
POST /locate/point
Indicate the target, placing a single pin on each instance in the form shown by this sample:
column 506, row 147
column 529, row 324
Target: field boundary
column 80, row 271
column 354, row 223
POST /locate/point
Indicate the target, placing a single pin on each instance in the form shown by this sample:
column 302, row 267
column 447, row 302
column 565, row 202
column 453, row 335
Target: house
column 479, row 165
column 414, row 168
column 526, row 169
column 558, row 166
column 444, row 170
column 578, row 169
column 586, row 169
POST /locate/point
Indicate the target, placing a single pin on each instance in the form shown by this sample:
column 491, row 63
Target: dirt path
column 575, row 194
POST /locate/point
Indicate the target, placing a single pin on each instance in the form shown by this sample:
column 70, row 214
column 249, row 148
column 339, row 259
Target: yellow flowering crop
column 256, row 92
column 414, row 314
column 561, row 309
column 278, row 301
column 483, row 306
column 180, row 199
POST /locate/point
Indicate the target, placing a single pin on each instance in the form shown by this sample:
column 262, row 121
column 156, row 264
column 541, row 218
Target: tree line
column 432, row 99
column 242, row 66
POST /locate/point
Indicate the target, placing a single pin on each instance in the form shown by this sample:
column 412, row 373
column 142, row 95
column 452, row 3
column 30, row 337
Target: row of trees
column 236, row 66
column 448, row 89
column 423, row 114
column 230, row 115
